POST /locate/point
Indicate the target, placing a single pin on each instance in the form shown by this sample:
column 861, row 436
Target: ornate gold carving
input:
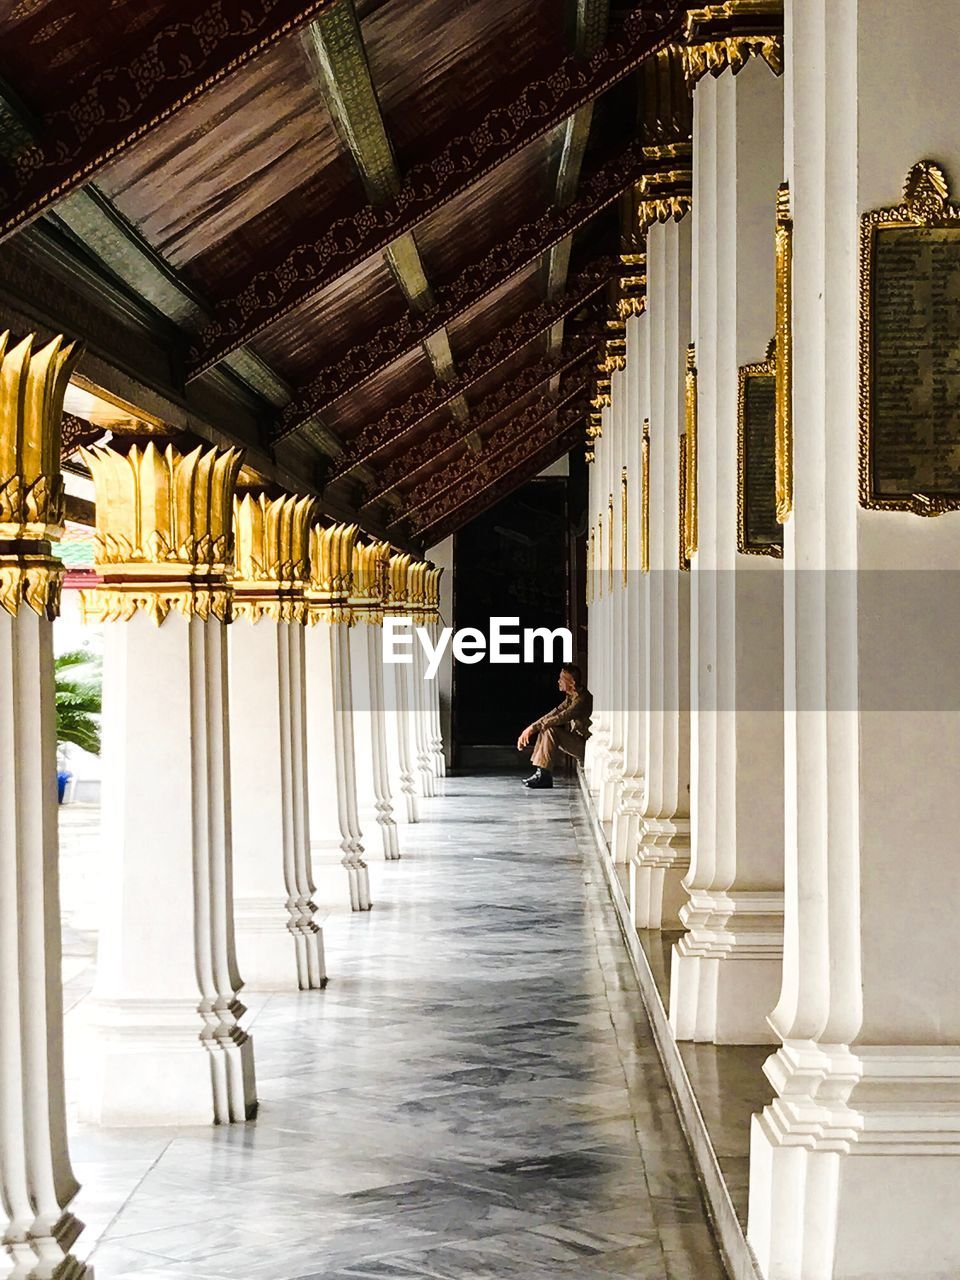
column 589, row 456
column 927, row 221
column 32, row 387
column 784, row 343
column 624, row 526
column 331, row 573
column 645, row 498
column 684, row 560
column 398, row 567
column 666, row 194
column 765, row 369
column 370, row 569
column 31, row 580
column 727, row 35
column 272, row 556
column 690, row 519
column 164, row 531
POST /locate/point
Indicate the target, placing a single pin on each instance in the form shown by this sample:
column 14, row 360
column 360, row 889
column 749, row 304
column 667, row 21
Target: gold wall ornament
column 331, row 573
column 909, row 381
column 32, row 388
column 370, row 560
column 784, row 345
column 271, row 556
column 610, row 540
column 758, row 531
column 684, row 559
column 164, row 530
column 690, row 515
column 624, row 525
column 645, row 498
column 725, row 35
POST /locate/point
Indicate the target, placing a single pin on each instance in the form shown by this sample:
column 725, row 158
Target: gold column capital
column 370, row 569
column 331, row 572
column 164, row 530
column 32, row 387
column 272, row 556
column 725, row 35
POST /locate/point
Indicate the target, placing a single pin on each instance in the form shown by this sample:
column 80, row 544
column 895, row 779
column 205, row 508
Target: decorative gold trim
column 610, row 540
column 119, row 602
column 925, row 204
column 31, row 580
column 784, row 341
column 645, row 498
column 763, row 369
column 690, row 515
column 272, row 556
column 729, row 34
column 331, row 573
column 681, row 535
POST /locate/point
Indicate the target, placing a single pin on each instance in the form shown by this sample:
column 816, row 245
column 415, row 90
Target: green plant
column 78, row 699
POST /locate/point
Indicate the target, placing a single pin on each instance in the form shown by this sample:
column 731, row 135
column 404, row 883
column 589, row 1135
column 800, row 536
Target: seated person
column 565, row 728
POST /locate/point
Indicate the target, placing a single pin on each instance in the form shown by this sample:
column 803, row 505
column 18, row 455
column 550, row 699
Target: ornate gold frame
column 690, row 521
column 784, row 341
column 623, row 523
column 925, row 204
column 681, row 538
column 763, row 369
column 645, row 498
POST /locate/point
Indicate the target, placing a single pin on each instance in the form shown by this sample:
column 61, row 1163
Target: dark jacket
column 574, row 712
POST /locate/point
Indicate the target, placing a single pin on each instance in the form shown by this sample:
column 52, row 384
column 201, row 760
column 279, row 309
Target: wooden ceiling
column 385, row 228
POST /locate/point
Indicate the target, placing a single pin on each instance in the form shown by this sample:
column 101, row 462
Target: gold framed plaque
column 784, row 341
column 909, row 455
column 645, row 498
column 623, row 522
column 681, row 531
column 759, row 533
column 690, row 521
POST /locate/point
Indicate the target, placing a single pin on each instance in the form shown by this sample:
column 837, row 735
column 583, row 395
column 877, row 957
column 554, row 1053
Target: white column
column 612, row 778
column 36, row 1180
column 663, row 855
column 164, row 1014
column 334, row 820
column 434, row 625
column 374, row 800
column 855, row 1165
column 599, row 656
column 401, row 744
column 726, row 968
column 417, row 686
column 632, row 652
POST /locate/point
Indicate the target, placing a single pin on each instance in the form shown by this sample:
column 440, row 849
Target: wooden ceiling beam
column 520, row 464
column 510, row 397
column 334, row 44
column 309, row 263
column 117, row 106
column 404, row 418
column 508, row 433
column 346, row 371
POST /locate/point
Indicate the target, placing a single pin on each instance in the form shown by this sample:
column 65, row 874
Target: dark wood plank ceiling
column 393, row 223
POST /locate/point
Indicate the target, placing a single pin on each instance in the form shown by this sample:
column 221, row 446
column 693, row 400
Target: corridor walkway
column 476, row 1093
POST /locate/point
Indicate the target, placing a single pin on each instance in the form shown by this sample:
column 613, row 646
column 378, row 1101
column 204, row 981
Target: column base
column 426, row 780
column 271, row 947
column 152, row 1064
column 329, row 863
column 380, row 819
column 726, row 970
column 817, row 1209
column 627, row 817
column 610, row 784
column 657, row 869
column 43, row 1252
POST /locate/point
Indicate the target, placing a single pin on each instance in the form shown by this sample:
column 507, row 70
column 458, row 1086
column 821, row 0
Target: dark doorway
column 512, row 561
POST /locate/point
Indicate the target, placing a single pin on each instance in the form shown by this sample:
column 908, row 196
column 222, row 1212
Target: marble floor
column 476, row 1093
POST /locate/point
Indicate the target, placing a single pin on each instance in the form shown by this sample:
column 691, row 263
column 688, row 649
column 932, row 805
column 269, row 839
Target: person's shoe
column 539, row 780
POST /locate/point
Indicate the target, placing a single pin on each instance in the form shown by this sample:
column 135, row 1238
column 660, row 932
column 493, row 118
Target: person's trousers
column 550, row 741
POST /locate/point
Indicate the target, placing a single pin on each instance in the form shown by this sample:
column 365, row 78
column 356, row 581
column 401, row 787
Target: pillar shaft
column 37, row 1230
column 280, row 945
column 855, row 1165
column 334, row 817
column 726, row 968
column 401, row 742
column 166, row 1043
